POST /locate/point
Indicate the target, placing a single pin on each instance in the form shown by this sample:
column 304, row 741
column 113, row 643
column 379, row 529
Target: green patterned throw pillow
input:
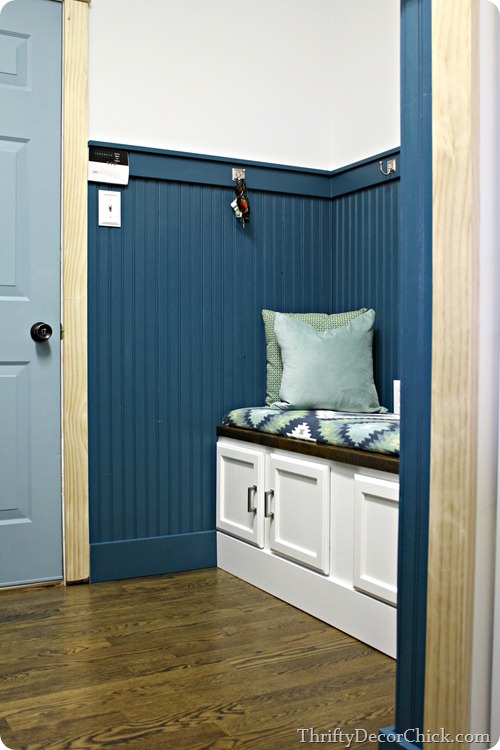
column 320, row 321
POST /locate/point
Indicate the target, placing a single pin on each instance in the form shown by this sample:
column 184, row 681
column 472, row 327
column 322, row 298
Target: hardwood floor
column 181, row 662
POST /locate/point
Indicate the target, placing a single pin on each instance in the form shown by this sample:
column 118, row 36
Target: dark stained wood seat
column 351, row 456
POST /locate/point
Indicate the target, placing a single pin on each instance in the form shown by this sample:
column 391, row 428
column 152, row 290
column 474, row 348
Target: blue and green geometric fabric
column 376, row 433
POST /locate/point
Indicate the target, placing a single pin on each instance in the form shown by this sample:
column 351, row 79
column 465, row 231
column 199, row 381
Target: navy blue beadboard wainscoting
column 176, row 336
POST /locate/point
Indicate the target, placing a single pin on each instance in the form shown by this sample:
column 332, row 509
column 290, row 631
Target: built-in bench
column 314, row 524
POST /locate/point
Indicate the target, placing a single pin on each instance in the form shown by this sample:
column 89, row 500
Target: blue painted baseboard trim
column 389, row 736
column 133, row 558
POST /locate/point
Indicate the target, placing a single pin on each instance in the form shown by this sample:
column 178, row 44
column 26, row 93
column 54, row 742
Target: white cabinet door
column 376, row 537
column 299, row 507
column 240, row 491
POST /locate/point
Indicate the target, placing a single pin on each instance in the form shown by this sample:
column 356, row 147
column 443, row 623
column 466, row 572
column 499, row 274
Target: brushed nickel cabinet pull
column 250, row 506
column 268, row 496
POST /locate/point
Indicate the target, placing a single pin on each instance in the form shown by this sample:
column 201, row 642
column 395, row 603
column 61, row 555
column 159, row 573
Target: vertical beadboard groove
column 366, row 264
column 190, row 283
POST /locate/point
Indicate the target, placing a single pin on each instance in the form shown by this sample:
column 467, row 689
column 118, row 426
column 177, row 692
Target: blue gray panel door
column 30, row 144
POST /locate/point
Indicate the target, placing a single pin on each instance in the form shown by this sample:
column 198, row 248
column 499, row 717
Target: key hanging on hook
column 242, row 201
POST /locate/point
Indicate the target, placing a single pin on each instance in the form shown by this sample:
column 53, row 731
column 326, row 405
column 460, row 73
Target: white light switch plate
column 110, row 214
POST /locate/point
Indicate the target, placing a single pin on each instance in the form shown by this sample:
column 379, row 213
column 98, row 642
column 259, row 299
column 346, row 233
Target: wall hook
column 391, row 167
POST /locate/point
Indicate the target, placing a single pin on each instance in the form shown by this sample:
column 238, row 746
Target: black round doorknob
column 41, row 332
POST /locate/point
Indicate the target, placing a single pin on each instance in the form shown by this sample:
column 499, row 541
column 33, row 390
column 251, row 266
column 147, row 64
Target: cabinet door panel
column 301, row 510
column 376, row 537
column 240, row 491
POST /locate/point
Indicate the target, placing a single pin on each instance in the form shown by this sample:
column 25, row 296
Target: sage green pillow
column 332, row 369
column 274, row 366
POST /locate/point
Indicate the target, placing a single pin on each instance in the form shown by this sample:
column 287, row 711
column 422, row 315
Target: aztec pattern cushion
column 376, row 433
column 319, row 321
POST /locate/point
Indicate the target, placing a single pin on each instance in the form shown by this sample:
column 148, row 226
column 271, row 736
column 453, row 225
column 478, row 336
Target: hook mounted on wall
column 391, row 167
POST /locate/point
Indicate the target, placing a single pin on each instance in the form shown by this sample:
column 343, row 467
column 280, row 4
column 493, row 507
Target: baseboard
column 389, row 736
column 133, row 558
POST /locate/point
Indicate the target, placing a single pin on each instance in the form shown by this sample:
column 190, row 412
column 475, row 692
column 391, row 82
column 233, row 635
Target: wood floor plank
column 197, row 660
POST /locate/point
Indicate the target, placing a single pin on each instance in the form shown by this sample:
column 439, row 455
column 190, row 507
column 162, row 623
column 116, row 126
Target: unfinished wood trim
column 75, row 420
column 454, row 367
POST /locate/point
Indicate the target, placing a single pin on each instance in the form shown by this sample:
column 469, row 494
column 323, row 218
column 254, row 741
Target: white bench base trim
column 363, row 617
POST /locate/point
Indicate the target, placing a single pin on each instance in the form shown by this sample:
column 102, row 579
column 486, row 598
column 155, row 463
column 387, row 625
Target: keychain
column 241, row 205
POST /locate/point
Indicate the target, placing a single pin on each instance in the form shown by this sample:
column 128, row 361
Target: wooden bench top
column 378, row 461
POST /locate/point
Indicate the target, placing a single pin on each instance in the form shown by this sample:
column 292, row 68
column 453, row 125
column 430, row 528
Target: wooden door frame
column 74, row 272
column 455, row 365
column 454, row 356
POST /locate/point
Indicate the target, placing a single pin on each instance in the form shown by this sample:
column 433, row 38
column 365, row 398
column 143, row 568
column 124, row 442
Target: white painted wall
column 485, row 714
column 365, row 49
column 294, row 82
